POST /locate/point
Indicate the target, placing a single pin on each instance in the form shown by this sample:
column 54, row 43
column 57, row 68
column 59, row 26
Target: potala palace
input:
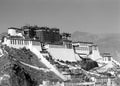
column 62, row 56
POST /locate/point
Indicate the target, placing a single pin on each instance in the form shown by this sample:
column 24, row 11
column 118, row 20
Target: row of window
column 22, row 42
column 107, row 59
column 82, row 48
column 82, row 44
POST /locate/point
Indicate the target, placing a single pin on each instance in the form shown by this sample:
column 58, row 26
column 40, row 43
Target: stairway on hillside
column 46, row 62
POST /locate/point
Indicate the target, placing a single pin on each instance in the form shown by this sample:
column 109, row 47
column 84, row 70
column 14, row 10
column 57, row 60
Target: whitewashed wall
column 21, row 43
column 63, row 54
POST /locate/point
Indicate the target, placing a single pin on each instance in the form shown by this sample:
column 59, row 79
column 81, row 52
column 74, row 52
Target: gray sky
column 96, row 16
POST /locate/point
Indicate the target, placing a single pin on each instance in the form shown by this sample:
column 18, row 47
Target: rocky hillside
column 15, row 73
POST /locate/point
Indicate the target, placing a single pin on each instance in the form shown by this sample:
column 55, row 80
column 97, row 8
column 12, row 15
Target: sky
column 94, row 16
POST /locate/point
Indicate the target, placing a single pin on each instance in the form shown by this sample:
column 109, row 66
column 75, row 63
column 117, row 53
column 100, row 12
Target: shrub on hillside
column 88, row 64
column 21, row 75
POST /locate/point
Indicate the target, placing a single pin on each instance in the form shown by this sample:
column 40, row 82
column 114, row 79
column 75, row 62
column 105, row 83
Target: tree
column 88, row 64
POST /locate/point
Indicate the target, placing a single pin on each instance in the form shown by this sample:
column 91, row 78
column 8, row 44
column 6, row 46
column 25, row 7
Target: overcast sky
column 96, row 16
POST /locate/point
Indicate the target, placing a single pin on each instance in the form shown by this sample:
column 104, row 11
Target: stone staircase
column 47, row 63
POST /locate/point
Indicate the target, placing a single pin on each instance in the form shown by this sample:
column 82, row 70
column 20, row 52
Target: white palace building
column 16, row 39
column 69, row 51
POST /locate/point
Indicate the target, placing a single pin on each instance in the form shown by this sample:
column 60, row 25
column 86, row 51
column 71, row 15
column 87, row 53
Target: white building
column 95, row 53
column 15, row 31
column 19, row 42
column 82, row 48
column 61, row 52
column 106, row 57
column 15, row 39
column 87, row 49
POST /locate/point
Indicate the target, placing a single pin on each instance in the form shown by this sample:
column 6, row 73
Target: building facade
column 18, row 42
column 82, row 48
column 43, row 34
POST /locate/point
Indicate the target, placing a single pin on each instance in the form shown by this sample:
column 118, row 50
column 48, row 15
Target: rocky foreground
column 14, row 73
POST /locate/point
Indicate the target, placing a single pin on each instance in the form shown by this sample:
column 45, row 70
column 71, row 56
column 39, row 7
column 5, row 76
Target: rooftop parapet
column 83, row 42
column 14, row 28
column 106, row 55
